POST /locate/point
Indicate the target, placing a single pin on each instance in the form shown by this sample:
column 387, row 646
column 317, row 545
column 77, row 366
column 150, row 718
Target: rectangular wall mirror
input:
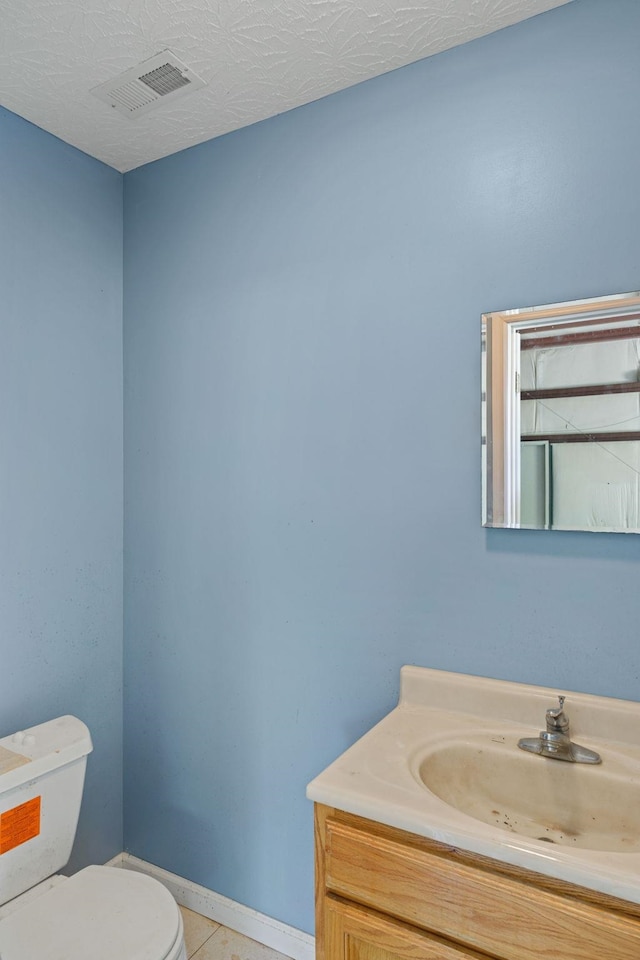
column 561, row 416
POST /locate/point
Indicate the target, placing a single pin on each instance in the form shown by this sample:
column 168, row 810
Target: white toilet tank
column 41, row 780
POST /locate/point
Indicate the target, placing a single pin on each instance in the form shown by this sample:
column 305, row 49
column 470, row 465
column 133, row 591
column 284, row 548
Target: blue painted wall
column 302, row 507
column 61, row 456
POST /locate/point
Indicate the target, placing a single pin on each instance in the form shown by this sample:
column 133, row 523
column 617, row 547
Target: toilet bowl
column 100, row 913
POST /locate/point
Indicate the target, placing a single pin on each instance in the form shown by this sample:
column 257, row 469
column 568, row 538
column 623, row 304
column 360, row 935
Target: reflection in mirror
column 561, row 416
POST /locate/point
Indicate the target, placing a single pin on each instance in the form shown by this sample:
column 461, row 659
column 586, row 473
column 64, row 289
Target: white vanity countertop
column 378, row 778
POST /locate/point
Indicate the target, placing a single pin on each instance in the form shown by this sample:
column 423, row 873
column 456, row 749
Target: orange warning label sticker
column 19, row 824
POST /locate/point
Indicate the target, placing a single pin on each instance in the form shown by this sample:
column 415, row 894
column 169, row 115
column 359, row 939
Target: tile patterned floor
column 208, row 940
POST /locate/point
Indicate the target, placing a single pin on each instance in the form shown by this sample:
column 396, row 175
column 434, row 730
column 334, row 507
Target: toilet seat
column 101, row 912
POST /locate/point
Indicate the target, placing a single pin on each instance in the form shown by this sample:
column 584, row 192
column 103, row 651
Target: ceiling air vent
column 159, row 80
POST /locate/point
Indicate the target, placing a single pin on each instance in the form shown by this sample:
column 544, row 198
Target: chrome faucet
column 555, row 742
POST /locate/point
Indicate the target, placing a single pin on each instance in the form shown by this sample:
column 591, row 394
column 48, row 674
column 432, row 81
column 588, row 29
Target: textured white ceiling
column 258, row 57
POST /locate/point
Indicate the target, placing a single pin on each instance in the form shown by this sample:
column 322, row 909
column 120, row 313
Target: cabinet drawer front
column 486, row 911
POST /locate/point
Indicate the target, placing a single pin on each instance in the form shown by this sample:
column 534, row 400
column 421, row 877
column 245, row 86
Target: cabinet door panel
column 355, row 933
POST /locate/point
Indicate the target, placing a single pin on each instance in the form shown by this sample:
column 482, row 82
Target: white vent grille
column 165, row 79
column 147, row 86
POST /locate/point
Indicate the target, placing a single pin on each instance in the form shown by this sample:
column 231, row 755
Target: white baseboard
column 258, row 926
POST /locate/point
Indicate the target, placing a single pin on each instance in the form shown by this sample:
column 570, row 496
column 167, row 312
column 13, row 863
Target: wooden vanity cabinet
column 384, row 894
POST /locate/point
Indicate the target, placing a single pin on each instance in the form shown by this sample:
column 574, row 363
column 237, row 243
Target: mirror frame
column 501, row 331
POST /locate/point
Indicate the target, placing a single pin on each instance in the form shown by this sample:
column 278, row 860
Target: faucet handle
column 556, row 719
column 554, row 712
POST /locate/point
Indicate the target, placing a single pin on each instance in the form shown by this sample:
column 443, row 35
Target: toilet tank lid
column 30, row 753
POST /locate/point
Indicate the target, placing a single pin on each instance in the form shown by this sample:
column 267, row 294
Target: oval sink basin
column 488, row 778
